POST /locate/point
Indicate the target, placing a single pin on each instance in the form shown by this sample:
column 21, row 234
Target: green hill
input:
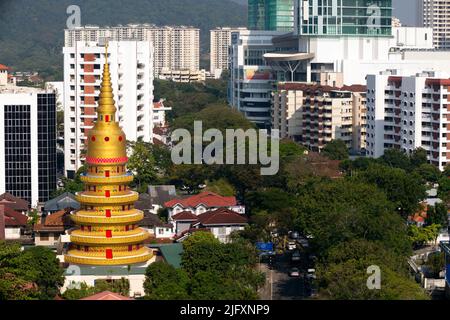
column 32, row 35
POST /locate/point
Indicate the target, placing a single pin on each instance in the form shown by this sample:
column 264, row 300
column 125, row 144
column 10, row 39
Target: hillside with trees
column 33, row 30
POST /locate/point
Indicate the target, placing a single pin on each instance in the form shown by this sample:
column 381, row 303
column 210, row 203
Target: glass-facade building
column 344, row 17
column 28, row 141
column 271, row 15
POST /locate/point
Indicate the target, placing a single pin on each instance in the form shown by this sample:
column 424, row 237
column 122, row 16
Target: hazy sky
column 407, row 11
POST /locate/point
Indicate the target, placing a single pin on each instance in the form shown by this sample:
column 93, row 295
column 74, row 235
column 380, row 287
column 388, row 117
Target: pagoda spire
column 108, row 224
column 106, row 101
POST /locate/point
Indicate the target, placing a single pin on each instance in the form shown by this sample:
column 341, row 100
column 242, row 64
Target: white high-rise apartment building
column 436, row 15
column 131, row 66
column 175, row 47
column 407, row 112
column 219, row 50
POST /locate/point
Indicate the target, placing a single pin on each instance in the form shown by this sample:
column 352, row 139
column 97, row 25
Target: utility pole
column 271, row 285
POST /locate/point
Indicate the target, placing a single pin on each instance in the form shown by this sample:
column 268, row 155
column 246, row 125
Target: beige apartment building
column 219, row 50
column 175, row 47
column 314, row 114
column 436, row 15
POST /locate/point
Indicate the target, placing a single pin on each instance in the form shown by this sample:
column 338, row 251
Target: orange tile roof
column 3, row 67
column 107, row 295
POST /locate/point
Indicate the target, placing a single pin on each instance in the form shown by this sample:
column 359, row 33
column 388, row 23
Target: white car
column 294, row 272
column 291, row 245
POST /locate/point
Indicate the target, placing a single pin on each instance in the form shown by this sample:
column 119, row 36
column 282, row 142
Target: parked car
column 296, row 256
column 311, row 274
column 291, row 245
column 294, row 272
column 303, row 242
column 294, row 234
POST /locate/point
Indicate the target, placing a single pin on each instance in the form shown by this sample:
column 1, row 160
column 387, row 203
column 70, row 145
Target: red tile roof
column 13, row 202
column 107, row 295
column 14, row 218
column 209, row 199
column 3, row 67
column 55, row 222
column 185, row 216
column 221, row 216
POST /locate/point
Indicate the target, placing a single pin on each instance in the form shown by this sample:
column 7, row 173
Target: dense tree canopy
column 336, row 150
column 30, row 274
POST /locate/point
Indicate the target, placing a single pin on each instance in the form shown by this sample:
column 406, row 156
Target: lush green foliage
column 336, row 150
column 210, row 271
column 121, row 286
column 30, row 274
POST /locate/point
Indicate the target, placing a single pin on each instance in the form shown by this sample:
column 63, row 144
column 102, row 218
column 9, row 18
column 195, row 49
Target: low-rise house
column 220, row 222
column 15, row 203
column 13, row 222
column 161, row 194
column 51, row 227
column 202, row 202
column 62, row 202
column 154, row 200
column 157, row 228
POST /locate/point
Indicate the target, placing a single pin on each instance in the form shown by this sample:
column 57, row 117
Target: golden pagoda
column 108, row 232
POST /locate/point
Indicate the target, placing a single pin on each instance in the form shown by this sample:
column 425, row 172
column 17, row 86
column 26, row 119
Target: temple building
column 107, row 231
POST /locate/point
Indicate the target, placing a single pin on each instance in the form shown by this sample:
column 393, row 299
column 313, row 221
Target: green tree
column 336, row 150
column 396, row 159
column 404, row 189
column 189, row 177
column 40, row 266
column 444, row 188
column 120, row 286
column 437, row 214
column 142, row 164
column 343, row 274
column 33, row 217
column 34, row 272
column 164, row 282
column 428, row 172
column 436, row 263
column 72, row 185
column 222, row 187
column 419, row 157
column 340, row 210
column 83, row 291
column 421, row 235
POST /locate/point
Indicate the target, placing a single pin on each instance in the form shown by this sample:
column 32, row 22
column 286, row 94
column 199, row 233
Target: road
column 283, row 286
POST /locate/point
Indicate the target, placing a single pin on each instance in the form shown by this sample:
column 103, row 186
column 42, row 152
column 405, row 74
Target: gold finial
column 106, row 103
column 106, row 52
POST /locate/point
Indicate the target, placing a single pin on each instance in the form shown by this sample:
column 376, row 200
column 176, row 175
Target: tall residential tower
column 131, row 64
column 220, row 48
column 436, row 15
